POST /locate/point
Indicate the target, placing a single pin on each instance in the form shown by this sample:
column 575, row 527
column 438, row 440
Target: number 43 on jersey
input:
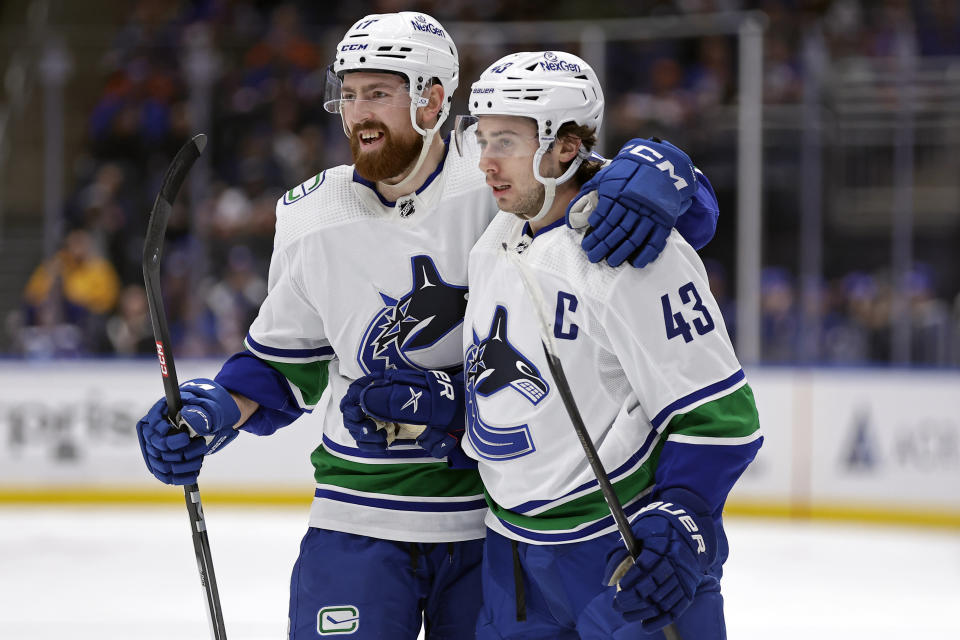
column 692, row 305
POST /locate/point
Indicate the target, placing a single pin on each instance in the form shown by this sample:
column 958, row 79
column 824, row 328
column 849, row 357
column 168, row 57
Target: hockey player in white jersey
column 369, row 278
column 650, row 366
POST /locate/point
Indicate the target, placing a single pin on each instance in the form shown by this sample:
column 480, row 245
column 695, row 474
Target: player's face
column 507, row 146
column 376, row 112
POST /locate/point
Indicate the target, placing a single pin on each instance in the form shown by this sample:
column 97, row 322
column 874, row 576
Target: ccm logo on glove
column 651, row 156
column 686, row 520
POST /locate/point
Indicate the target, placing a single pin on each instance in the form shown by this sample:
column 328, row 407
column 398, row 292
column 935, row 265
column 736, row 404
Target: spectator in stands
column 779, row 321
column 129, row 330
column 78, row 274
column 929, row 318
column 235, row 299
column 77, row 286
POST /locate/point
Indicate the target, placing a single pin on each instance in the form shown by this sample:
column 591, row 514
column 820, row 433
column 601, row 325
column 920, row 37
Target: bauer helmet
column 552, row 88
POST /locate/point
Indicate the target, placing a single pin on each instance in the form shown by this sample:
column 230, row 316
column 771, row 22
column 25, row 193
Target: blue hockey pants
column 346, row 585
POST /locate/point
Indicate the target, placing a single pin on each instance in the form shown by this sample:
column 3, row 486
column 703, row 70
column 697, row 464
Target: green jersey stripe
column 731, row 416
column 436, row 480
column 586, row 508
column 310, row 378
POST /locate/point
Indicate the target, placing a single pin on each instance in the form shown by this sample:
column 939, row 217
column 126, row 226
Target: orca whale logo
column 420, row 318
column 497, row 364
column 491, row 365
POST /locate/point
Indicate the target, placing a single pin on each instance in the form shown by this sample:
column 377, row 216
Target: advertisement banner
column 837, row 443
column 71, row 425
column 886, row 438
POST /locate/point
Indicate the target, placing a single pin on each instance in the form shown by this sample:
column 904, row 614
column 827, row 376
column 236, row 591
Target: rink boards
column 863, row 444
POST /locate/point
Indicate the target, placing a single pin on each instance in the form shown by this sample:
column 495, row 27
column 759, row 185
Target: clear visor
column 391, row 92
column 502, row 143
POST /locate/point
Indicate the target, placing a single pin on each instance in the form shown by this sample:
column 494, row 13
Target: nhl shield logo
column 407, row 208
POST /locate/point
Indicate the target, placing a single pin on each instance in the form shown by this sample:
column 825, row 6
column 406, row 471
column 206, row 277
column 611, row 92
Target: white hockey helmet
column 552, row 88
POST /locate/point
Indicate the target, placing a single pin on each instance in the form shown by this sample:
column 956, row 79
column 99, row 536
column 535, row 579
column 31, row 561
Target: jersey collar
column 553, row 225
column 387, row 203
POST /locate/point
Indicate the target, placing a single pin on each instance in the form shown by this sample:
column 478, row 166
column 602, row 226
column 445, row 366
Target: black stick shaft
column 613, row 502
column 152, row 251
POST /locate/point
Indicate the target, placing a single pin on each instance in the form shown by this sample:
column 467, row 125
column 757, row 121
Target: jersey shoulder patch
column 302, row 191
column 300, row 211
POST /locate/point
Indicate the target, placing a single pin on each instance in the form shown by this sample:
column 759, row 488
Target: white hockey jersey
column 358, row 284
column 649, row 362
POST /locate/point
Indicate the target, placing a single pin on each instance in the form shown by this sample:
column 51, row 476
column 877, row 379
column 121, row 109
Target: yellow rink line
column 300, row 498
column 847, row 512
column 95, row 496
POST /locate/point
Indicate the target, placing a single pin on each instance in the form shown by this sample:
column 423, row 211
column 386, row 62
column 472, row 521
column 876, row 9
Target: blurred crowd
column 250, row 74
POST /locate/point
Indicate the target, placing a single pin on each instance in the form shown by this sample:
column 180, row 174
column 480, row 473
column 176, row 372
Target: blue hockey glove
column 433, row 399
column 175, row 456
column 369, row 435
column 632, row 205
column 678, row 543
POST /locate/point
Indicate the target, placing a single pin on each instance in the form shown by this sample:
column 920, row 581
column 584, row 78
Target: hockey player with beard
column 369, row 279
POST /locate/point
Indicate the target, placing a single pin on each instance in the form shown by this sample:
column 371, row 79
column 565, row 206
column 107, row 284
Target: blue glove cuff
column 217, row 408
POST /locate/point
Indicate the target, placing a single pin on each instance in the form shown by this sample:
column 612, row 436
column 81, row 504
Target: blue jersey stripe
column 402, row 505
column 319, row 352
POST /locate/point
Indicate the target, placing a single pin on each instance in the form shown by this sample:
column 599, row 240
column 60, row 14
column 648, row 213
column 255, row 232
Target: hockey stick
column 152, row 250
column 566, row 394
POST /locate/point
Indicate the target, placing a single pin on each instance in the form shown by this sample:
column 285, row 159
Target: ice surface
column 121, row 573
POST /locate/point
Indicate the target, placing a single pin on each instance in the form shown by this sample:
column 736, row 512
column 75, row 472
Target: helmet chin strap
column 427, row 143
column 417, row 101
column 550, row 184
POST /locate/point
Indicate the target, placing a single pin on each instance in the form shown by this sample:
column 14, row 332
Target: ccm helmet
column 552, row 88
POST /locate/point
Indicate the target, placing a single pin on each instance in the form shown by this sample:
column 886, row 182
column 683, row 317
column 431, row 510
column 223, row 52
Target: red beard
column 395, row 156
